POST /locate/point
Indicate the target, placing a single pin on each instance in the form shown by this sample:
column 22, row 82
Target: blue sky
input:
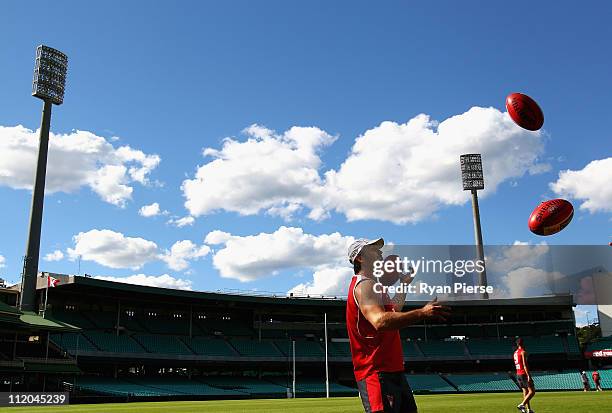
column 173, row 79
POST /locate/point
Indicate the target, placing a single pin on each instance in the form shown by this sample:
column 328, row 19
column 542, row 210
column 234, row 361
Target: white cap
column 355, row 248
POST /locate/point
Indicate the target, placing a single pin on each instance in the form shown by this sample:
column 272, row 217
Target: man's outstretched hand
column 435, row 310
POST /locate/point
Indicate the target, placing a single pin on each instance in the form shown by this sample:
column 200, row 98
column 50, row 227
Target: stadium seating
column 606, row 379
column 490, row 347
column 482, row 382
column 557, row 381
column 255, row 348
column 114, row 343
column 164, row 325
column 225, row 327
column 209, row 346
column 132, row 324
column 162, row 344
column 103, row 320
column 435, row 348
column 273, row 334
column 512, row 330
column 117, row 387
column 246, row 385
column 431, row 383
column 339, row 349
column 180, row 386
column 600, row 344
column 413, row 332
column 573, row 346
column 544, row 345
column 303, row 348
column 410, row 349
column 72, row 317
column 69, row 342
column 313, row 386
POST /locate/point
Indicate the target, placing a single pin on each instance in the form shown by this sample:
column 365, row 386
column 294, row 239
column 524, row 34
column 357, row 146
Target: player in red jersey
column 523, row 377
column 596, row 380
column 373, row 321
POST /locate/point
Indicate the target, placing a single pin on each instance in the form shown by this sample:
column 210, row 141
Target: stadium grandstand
column 104, row 340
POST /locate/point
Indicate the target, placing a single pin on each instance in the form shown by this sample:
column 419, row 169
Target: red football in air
column 551, row 217
column 390, row 277
column 524, row 111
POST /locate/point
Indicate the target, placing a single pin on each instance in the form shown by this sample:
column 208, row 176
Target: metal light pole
column 293, row 384
column 49, row 83
column 473, row 180
column 588, row 321
column 326, row 362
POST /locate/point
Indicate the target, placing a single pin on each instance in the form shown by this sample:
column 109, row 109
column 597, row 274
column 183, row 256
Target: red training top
column 518, row 361
column 595, row 375
column 372, row 351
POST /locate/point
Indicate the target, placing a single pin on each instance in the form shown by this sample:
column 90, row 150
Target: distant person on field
column 523, row 377
column 373, row 321
column 597, row 380
column 585, row 381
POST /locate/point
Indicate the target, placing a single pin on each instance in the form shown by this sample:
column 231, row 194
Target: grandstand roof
column 82, row 284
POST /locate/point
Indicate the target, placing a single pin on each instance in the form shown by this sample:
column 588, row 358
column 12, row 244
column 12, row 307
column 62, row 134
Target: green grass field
column 558, row 402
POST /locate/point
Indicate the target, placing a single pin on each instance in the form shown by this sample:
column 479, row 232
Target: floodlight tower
column 49, row 83
column 473, row 180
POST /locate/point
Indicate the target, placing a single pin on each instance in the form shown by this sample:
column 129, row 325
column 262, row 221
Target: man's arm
column 525, row 365
column 372, row 309
column 399, row 299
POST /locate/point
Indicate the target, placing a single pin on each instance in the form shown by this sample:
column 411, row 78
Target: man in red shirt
column 596, row 380
column 523, row 377
column 373, row 321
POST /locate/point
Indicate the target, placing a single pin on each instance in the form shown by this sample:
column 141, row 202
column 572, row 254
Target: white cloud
column 248, row 258
column 56, row 255
column 394, row 172
column 267, row 172
column 591, row 184
column 517, row 242
column 77, row 159
column 149, row 210
column 2, row 261
column 327, row 281
column 217, row 237
column 406, row 172
column 113, row 249
column 182, row 222
column 529, row 282
column 164, row 281
column 286, row 212
column 521, row 254
column 182, row 252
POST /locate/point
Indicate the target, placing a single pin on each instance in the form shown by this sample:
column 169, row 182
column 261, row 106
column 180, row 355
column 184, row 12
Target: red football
column 524, row 111
column 390, row 277
column 551, row 217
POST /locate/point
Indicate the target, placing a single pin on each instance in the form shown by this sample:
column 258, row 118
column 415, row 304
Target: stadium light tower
column 473, row 180
column 49, row 83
